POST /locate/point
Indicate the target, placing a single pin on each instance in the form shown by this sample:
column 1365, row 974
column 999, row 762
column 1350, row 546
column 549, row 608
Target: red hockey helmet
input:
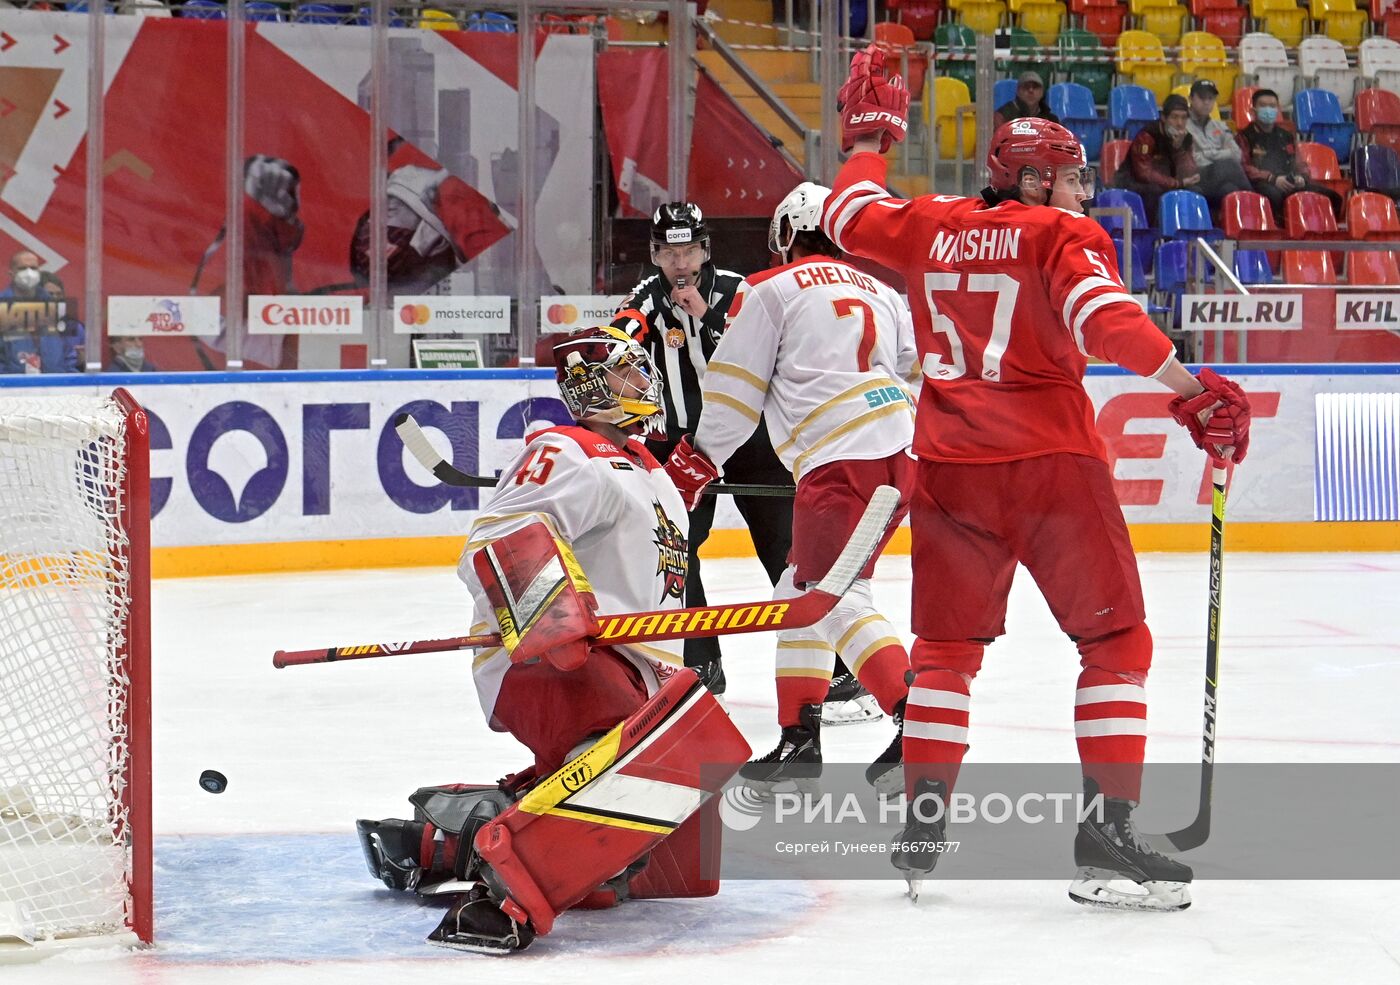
column 1031, row 142
column 594, row 365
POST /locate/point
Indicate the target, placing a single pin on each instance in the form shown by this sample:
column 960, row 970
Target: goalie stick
column 674, row 624
column 417, row 442
column 1195, row 834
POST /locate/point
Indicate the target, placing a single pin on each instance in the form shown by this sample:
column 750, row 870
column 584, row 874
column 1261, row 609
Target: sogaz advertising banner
column 318, row 459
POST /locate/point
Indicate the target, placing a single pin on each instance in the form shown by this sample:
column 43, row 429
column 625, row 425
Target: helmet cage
column 594, row 365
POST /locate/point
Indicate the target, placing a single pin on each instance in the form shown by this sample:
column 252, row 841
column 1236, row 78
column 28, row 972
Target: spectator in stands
column 1271, row 157
column 1218, row 156
column 128, row 355
column 39, row 347
column 1162, row 157
column 1029, row 101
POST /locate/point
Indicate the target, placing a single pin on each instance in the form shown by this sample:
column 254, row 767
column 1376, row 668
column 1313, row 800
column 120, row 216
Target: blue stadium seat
column 261, row 10
column 1130, row 108
column 1184, row 215
column 1318, row 115
column 205, row 10
column 1003, row 91
column 1144, row 236
column 1074, row 105
column 365, row 18
column 1252, row 267
column 490, row 21
column 1376, row 168
column 318, row 13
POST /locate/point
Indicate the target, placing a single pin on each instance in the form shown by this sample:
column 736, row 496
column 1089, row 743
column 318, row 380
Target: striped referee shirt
column 680, row 344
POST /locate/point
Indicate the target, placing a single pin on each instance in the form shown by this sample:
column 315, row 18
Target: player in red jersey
column 1011, row 293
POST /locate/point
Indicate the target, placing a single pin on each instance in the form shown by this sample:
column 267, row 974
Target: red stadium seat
column 1308, row 267
column 1371, row 215
column 1308, row 215
column 1320, row 162
column 1248, row 215
column 1242, row 108
column 1106, row 22
column 896, row 37
column 1227, row 25
column 1378, row 115
column 921, row 17
column 1115, row 152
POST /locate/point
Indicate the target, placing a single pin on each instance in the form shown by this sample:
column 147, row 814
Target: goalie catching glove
column 873, row 102
column 543, row 602
column 691, row 470
column 1224, row 431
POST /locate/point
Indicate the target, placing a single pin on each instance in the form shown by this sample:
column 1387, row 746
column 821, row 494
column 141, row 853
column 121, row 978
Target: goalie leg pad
column 611, row 804
column 544, row 604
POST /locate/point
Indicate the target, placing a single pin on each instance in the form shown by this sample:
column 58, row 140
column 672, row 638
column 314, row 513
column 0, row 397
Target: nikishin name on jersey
column 980, row 243
column 814, row 274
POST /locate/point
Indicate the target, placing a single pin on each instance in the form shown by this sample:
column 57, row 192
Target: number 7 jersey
column 1009, row 302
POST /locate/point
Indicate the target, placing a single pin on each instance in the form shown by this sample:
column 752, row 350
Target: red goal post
column 75, row 686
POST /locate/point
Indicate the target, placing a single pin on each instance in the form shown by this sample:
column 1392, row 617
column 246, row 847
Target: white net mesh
column 64, row 600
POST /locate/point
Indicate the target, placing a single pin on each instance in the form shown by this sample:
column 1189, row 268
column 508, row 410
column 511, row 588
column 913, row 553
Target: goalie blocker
column 580, row 837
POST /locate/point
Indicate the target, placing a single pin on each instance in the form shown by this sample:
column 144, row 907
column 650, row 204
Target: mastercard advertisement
column 454, row 313
column 569, row 312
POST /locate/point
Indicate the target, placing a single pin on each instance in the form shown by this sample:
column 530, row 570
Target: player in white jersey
column 823, row 351
column 585, row 520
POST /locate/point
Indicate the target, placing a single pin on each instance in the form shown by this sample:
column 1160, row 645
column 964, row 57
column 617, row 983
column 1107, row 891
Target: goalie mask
column 799, row 212
column 605, row 376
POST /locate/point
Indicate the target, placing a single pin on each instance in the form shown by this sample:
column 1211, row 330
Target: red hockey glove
column 691, row 471
column 1224, row 431
column 873, row 101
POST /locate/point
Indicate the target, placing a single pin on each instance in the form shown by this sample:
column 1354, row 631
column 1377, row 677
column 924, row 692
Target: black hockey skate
column 391, row 848
column 476, row 922
column 848, row 702
column 886, row 774
column 921, row 842
column 1108, row 850
column 797, row 758
column 711, row 675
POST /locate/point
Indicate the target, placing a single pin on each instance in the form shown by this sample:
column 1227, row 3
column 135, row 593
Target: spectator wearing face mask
column 1162, row 157
column 52, row 347
column 1271, row 157
column 128, row 355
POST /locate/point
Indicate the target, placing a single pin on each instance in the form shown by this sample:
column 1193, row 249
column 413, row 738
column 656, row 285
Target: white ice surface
column 265, row 884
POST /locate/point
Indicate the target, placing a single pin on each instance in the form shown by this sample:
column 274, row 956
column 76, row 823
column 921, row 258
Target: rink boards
column 287, row 471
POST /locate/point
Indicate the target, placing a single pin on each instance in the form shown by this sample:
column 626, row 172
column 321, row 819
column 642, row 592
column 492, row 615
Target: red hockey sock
column 884, row 674
column 795, row 690
column 1110, row 710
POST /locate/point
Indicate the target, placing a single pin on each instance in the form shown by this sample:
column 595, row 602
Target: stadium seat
column 437, row 20
column 318, row 13
column 1378, row 60
column 1376, row 169
column 1144, row 236
column 1203, row 57
column 957, row 39
column 205, row 10
column 982, row 16
column 921, row 17
column 1185, row 214
column 1114, row 153
column 1097, row 76
column 1165, row 21
column 1074, row 105
column 1043, row 20
column 1130, row 108
column 1391, row 22
column 1308, row 215
column 1371, row 217
column 1378, row 116
column 262, row 12
column 489, row 22
column 365, row 18
column 1003, row 91
column 1320, row 163
column 1325, row 61
column 1308, row 267
column 1341, row 21
column 1264, row 57
column 1184, row 91
column 1105, row 22
column 1248, row 215
column 1142, row 60
column 1025, row 53
column 948, row 95
column 898, row 41
column 1223, row 18
column 1242, row 108
column 1252, row 267
column 1285, row 21
column 1318, row 115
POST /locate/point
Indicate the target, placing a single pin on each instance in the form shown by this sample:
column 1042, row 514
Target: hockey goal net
column 75, row 751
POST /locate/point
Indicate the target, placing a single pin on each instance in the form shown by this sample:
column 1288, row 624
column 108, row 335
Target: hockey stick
column 417, row 443
column 675, row 624
column 1195, row 834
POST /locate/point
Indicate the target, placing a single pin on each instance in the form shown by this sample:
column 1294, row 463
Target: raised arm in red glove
column 873, row 101
column 691, row 470
column 1224, row 432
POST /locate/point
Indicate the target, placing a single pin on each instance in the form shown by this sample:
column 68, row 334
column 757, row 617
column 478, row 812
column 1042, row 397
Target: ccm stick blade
column 417, row 444
column 672, row 624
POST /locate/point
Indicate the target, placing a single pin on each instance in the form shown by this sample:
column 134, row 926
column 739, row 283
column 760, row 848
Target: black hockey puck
column 213, row 781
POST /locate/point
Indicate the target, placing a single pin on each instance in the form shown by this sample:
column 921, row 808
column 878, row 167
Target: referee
column 678, row 314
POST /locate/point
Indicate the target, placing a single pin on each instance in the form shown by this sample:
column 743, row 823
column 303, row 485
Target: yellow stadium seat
column 1346, row 26
column 983, row 16
column 1165, row 22
column 1141, row 58
column 1203, row 56
column 1138, row 7
column 948, row 95
column 1042, row 19
column 1317, row 9
column 438, row 20
column 1288, row 25
column 1184, row 91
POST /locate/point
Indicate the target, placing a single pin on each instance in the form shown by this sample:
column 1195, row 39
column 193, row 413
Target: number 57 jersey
column 1009, row 302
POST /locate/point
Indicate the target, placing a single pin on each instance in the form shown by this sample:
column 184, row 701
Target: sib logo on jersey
column 672, row 555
